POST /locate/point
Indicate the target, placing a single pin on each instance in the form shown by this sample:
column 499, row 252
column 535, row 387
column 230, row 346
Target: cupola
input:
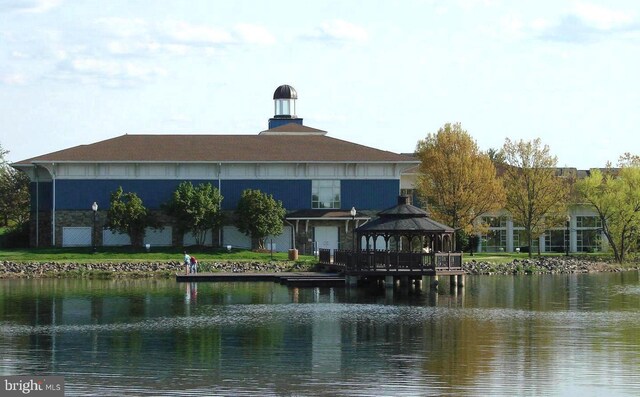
column 284, row 102
column 284, row 99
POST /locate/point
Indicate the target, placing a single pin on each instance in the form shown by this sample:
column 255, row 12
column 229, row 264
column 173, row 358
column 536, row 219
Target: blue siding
column 41, row 193
column 80, row 194
column 275, row 123
column 369, row 194
column 294, row 194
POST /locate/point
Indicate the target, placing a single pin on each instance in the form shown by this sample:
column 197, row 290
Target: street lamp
column 567, row 239
column 353, row 228
column 94, row 207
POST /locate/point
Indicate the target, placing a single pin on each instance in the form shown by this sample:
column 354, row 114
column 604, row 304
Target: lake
column 556, row 335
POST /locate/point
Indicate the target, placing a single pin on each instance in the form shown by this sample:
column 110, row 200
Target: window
column 588, row 221
column 588, row 229
column 325, row 194
column 556, row 240
column 520, row 241
column 495, row 240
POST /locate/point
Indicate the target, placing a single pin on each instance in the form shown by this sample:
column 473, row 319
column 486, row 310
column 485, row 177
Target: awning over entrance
column 307, row 216
column 326, row 214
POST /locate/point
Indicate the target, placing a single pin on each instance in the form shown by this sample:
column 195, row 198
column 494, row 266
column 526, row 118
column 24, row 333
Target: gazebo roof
column 405, row 218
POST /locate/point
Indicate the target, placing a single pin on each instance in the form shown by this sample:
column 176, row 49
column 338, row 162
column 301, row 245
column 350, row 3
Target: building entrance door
column 326, row 237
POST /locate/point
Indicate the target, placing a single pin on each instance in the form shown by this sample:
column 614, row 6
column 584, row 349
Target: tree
column 14, row 194
column 195, row 209
column 128, row 215
column 616, row 198
column 259, row 215
column 14, row 197
column 536, row 196
column 456, row 180
column 495, row 155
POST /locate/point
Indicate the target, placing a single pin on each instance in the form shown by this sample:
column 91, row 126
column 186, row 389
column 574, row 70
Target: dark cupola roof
column 285, row 92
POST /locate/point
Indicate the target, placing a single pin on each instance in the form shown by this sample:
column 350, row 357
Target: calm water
column 537, row 335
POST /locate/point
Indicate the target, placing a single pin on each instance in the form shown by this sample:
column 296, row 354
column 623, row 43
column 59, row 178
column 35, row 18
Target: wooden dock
column 294, row 279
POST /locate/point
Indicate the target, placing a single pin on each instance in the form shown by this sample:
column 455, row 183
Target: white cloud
column 602, row 17
column 469, row 5
column 29, row 6
column 124, row 27
column 13, row 79
column 138, row 37
column 588, row 23
column 108, row 72
column 512, row 26
column 187, row 33
column 339, row 30
column 254, row 34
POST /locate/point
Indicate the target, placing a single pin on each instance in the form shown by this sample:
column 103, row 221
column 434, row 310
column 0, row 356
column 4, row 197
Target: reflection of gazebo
column 405, row 228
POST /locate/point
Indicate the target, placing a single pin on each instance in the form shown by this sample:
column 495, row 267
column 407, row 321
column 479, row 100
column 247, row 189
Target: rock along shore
column 546, row 265
column 10, row 269
column 543, row 265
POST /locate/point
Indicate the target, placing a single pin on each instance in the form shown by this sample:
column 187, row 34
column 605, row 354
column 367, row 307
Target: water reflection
column 532, row 335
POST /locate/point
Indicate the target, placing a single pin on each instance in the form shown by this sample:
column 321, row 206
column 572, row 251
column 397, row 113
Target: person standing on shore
column 187, row 262
column 194, row 264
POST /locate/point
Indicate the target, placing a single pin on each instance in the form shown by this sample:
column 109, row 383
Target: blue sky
column 378, row 73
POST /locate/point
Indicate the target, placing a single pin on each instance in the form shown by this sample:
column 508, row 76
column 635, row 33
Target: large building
column 318, row 178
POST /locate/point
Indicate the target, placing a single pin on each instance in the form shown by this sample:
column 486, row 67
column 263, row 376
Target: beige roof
column 221, row 148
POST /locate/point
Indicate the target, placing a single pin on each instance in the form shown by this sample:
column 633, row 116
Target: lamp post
column 353, row 228
column 94, row 207
column 567, row 239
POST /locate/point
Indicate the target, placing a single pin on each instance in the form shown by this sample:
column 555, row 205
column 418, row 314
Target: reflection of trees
column 458, row 349
column 519, row 327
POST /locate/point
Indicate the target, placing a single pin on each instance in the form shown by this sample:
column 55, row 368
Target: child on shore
column 187, row 262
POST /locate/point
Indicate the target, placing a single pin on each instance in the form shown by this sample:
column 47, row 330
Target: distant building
column 582, row 232
column 318, row 179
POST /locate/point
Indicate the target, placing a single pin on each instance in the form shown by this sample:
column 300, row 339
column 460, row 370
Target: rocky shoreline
column 10, row 269
column 551, row 265
column 546, row 265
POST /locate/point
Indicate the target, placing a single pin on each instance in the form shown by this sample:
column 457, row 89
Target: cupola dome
column 284, row 99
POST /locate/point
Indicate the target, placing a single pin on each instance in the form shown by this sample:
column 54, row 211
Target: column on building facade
column 573, row 235
column 510, row 247
column 541, row 242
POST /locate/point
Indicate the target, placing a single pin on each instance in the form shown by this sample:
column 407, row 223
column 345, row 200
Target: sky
column 378, row 73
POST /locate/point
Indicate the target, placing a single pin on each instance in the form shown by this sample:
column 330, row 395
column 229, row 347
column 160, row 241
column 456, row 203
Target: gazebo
column 402, row 242
column 405, row 228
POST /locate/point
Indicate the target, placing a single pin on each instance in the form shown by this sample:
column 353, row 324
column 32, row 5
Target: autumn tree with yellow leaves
column 456, row 180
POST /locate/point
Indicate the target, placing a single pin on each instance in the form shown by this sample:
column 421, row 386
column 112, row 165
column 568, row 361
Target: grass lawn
column 119, row 254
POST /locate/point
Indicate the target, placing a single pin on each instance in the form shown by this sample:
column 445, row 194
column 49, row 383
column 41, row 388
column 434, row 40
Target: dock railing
column 324, row 256
column 392, row 261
